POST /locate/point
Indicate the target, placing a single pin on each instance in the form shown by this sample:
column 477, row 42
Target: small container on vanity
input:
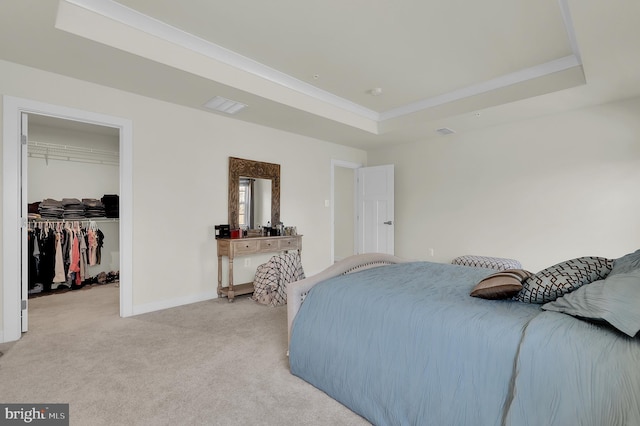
column 222, row 231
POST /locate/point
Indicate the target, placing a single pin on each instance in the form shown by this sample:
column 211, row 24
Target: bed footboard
column 297, row 291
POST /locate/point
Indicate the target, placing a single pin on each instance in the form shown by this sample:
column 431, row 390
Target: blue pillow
column 626, row 263
column 616, row 300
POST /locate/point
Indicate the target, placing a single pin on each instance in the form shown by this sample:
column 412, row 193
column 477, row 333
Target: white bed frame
column 297, row 291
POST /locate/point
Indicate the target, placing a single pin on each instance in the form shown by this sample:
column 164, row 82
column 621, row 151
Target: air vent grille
column 445, row 131
column 225, row 105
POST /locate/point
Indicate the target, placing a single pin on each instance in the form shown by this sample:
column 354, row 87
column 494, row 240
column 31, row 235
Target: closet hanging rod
column 53, row 151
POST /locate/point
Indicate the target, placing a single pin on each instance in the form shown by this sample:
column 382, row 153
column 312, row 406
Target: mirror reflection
column 254, row 202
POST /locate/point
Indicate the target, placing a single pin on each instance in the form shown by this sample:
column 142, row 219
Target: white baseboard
column 166, row 304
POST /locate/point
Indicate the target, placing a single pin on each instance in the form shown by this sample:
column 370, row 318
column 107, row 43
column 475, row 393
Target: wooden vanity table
column 249, row 246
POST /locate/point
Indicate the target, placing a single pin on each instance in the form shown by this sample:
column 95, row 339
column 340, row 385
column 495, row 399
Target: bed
column 404, row 343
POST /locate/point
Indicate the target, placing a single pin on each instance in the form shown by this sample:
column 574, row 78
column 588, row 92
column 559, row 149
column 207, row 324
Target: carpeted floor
column 208, row 363
column 65, row 289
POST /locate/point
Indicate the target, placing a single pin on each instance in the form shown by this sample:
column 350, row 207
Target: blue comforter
column 406, row 345
column 571, row 372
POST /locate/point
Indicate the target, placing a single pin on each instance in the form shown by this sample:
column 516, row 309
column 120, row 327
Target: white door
column 24, row 297
column 375, row 209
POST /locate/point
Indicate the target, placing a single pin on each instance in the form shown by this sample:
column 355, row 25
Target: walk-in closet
column 73, row 205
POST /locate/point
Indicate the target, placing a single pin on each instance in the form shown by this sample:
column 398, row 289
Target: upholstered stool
column 497, row 263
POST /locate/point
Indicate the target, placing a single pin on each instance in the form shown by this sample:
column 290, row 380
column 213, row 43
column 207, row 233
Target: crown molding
column 568, row 25
column 132, row 18
column 484, row 87
column 127, row 16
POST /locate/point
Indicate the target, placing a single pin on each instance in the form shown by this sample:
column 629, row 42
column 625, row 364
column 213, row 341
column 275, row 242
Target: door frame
column 13, row 107
column 24, row 214
column 348, row 165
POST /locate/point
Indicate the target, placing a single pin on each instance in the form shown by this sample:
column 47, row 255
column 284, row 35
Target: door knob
column 388, row 222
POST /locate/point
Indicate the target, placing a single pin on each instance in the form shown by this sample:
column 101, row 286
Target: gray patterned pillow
column 557, row 280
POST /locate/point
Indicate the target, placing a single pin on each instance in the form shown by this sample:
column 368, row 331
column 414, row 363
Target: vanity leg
column 219, row 276
column 230, row 294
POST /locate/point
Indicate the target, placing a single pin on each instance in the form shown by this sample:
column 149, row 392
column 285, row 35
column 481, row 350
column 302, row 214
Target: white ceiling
column 309, row 67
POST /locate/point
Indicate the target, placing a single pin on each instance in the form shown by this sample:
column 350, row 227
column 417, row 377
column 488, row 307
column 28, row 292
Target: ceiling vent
column 445, row 131
column 225, row 105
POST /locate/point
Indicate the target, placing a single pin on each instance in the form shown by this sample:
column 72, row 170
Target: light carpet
column 207, row 363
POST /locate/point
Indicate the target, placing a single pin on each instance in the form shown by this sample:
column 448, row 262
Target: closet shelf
column 51, row 151
column 84, row 219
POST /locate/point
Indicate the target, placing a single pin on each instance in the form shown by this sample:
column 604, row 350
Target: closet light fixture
column 225, row 105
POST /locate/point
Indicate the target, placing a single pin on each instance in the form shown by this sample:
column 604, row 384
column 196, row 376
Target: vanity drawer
column 268, row 245
column 288, row 243
column 245, row 246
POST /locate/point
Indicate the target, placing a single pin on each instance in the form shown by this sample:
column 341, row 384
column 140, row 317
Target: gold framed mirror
column 248, row 171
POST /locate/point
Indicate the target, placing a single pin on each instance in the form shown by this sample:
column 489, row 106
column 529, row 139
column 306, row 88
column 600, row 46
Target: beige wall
column 344, row 205
column 73, row 179
column 541, row 191
column 180, row 158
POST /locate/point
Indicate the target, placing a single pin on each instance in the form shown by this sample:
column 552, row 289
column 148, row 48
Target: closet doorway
column 73, row 181
column 16, row 114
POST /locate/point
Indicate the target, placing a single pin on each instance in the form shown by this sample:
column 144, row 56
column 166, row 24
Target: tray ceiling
column 362, row 73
